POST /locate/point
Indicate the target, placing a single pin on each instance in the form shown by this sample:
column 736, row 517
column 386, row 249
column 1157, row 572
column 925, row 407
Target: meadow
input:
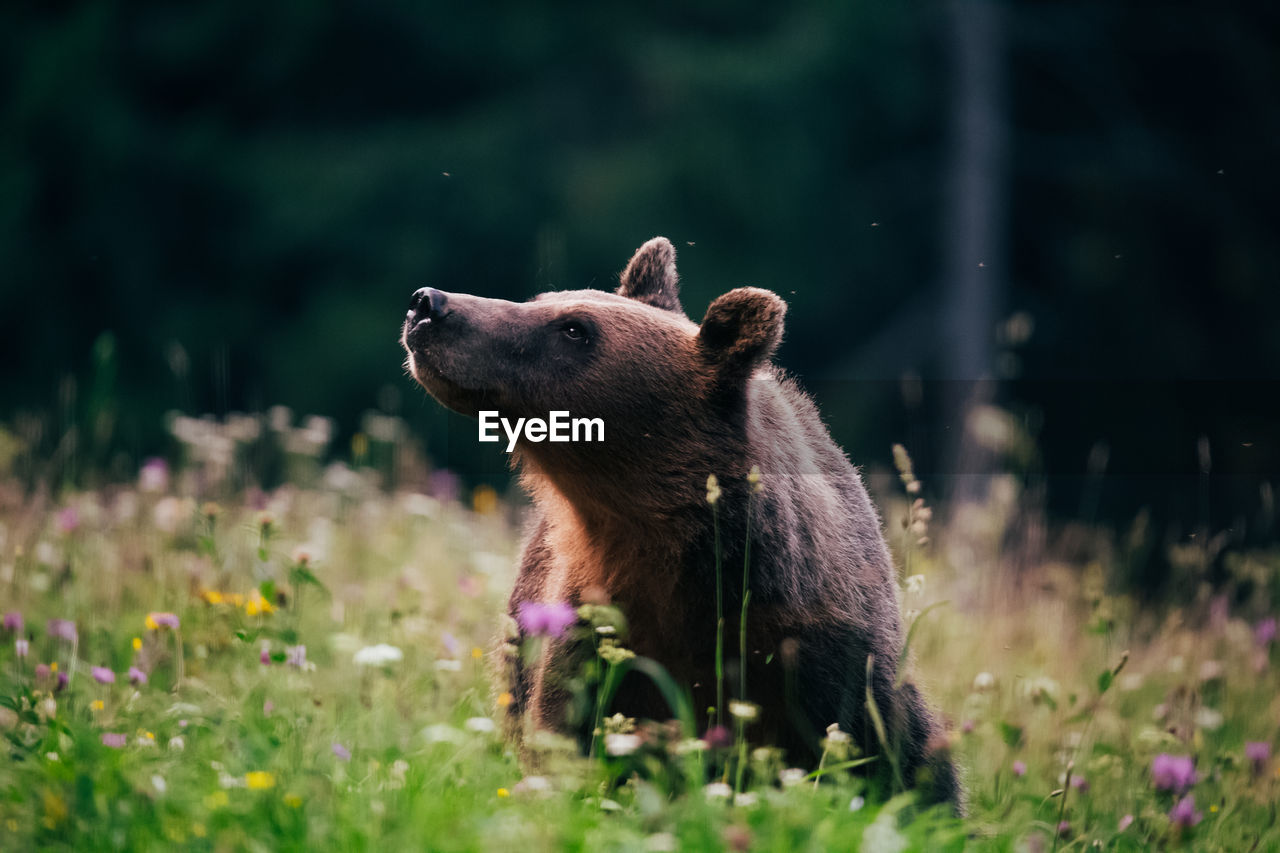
column 191, row 661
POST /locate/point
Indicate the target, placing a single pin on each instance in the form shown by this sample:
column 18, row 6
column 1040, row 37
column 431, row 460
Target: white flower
column 379, row 655
column 718, row 791
column 442, row 733
column 661, row 842
column 157, row 782
column 983, row 682
column 834, row 735
column 177, row 743
column 690, row 745
column 744, row 710
column 483, row 725
column 1209, row 718
column 746, row 800
column 52, row 756
column 915, row 583
column 856, row 804
column 617, row 743
column 791, row 777
column 447, row 665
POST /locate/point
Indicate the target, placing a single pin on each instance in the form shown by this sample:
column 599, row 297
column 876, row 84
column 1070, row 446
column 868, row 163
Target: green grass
column 229, row 753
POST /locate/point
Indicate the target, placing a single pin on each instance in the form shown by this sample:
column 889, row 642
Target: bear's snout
column 428, row 303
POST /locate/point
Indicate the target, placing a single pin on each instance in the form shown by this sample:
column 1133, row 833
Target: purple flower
column 62, row 629
column 1258, row 753
column 115, row 740
column 968, row 726
column 1173, row 772
column 451, row 644
column 1064, row 829
column 549, row 620
column 155, row 621
column 1184, row 814
column 264, row 656
column 63, row 680
column 718, row 737
column 1125, row 823
column 102, row 675
column 137, row 676
column 444, row 485
column 13, row 622
column 296, row 656
column 21, row 647
column 1265, row 631
column 1019, row 768
column 68, row 520
column 1080, row 783
column 342, row 752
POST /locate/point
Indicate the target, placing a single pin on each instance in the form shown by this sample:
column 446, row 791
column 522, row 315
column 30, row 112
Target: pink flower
column 102, row 675
column 137, row 676
column 62, row 629
column 115, row 740
column 718, row 737
column 1173, row 772
column 154, row 475
column 1184, row 814
column 1258, row 753
column 68, row 520
column 1265, row 631
column 1125, row 823
column 296, row 656
column 341, row 752
column 264, row 656
column 470, row 586
column 1019, row 768
column 1080, row 783
column 13, row 622
column 42, row 671
column 451, row 644
column 1064, row 829
column 968, row 726
column 156, row 621
column 21, row 647
column 545, row 620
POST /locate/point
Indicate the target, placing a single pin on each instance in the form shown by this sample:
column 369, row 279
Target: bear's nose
column 429, row 302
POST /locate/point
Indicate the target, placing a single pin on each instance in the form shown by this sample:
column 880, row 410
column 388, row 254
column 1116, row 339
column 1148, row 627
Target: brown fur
column 629, row 516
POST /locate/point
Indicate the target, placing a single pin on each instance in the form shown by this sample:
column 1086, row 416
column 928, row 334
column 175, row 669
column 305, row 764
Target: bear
column 628, row 518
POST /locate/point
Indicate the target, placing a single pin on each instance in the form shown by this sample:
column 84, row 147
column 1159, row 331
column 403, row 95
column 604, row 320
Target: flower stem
column 715, row 520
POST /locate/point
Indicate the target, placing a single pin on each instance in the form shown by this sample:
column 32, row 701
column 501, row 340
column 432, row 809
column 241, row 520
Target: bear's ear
column 742, row 329
column 651, row 277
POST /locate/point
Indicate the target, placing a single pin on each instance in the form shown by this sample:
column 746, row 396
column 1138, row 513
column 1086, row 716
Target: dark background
column 224, row 206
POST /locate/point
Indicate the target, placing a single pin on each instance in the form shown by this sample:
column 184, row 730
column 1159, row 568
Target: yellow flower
column 477, row 652
column 505, row 699
column 293, row 801
column 212, row 596
column 53, row 666
column 484, row 499
column 251, row 607
column 96, row 705
column 503, row 793
column 1213, row 807
column 151, row 623
column 137, row 644
column 259, row 780
column 236, row 599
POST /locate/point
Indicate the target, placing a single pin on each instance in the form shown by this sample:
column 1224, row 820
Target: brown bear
column 629, row 515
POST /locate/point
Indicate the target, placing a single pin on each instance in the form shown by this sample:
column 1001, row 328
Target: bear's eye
column 574, row 331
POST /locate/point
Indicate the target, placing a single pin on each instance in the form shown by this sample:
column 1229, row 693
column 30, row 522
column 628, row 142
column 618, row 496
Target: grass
column 258, row 728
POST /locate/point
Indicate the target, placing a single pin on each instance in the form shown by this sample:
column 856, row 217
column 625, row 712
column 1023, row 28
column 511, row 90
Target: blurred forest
column 1063, row 209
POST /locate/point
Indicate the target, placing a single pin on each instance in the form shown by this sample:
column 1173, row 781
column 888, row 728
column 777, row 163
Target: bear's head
column 631, row 358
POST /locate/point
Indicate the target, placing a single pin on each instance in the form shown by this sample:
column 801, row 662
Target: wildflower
column 264, row 656
column 968, row 726
column 856, row 804
column 1125, row 823
column 267, row 707
column 115, row 740
column 835, row 736
column 449, row 665
column 296, row 656
column 477, row 653
column 1019, row 768
column 718, row 791
column 791, row 776
column 1265, row 632
column 1184, row 814
column 62, row 682
column 42, row 671
column 614, row 653
column 713, row 490
column 21, row 647
column 137, row 676
column 153, row 476
column 177, row 743
column 211, row 596
column 68, row 520
column 1064, row 829
column 503, row 793
column 102, row 675
column 96, row 705
column 746, row 800
column 156, row 621
column 1209, row 718
column 1080, row 783
column 451, row 644
column 549, row 620
column 13, row 622
column 341, row 752
column 1172, row 772
column 617, row 743
column 259, row 780
column 505, row 699
column 983, row 682
column 915, row 584
column 745, row 711
column 1258, row 753
column 718, row 737
column 137, row 644
column 483, row 725
column 753, row 480
column 62, row 629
